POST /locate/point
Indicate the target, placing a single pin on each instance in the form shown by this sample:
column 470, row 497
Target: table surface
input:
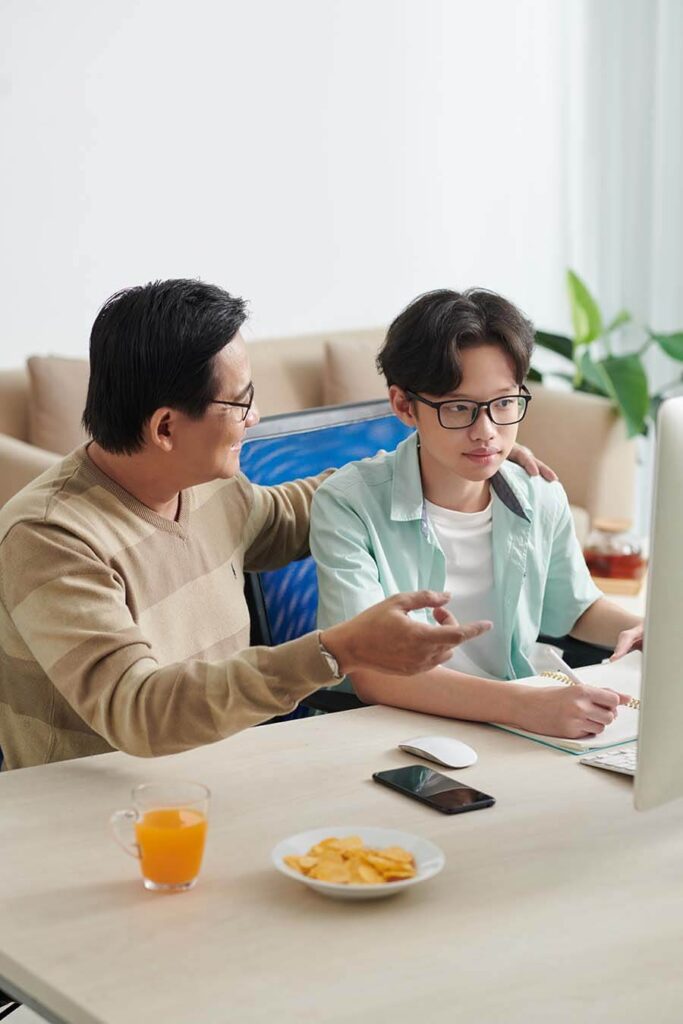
column 560, row 903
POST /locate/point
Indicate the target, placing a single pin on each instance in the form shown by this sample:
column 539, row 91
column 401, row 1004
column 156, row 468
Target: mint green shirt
column 371, row 537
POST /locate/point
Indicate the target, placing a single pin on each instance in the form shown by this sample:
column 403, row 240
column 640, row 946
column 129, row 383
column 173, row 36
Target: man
column 123, row 623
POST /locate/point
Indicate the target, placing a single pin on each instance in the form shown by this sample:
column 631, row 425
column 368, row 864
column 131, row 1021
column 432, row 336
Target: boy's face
column 472, row 453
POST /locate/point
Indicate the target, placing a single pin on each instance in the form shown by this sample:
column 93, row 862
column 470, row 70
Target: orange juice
column 171, row 842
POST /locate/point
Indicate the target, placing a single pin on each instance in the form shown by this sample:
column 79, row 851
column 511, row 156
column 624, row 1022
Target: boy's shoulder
column 537, row 493
column 374, row 471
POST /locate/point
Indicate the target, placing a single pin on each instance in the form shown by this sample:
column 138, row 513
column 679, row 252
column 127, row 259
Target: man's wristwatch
column 330, row 659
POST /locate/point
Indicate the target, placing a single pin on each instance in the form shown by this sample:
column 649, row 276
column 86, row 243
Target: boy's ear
column 402, row 406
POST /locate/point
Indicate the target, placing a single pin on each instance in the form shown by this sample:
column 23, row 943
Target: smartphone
column 434, row 789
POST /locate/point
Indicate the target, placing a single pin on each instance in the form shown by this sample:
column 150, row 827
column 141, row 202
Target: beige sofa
column 579, row 435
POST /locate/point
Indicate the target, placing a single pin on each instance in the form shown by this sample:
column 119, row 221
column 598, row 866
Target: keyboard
column 619, row 759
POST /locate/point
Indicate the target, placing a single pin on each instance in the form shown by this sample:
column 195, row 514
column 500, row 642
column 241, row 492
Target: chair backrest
column 284, row 603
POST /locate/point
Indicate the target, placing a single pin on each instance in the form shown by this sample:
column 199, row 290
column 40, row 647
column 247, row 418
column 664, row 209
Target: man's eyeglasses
column 457, row 414
column 238, row 410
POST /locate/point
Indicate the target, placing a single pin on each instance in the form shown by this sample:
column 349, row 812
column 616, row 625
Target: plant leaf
column 622, row 317
column 671, row 343
column 534, row 375
column 556, row 343
column 629, row 386
column 595, row 376
column 586, row 316
column 585, row 387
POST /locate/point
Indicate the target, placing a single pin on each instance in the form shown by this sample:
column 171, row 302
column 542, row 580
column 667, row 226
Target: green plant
column 598, row 370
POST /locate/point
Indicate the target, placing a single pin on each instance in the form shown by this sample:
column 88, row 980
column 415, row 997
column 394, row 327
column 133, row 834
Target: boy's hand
column 573, row 712
column 628, row 640
column 387, row 639
column 525, row 458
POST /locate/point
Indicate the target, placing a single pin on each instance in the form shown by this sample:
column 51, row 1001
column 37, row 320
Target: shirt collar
column 406, row 489
column 505, row 487
column 407, row 499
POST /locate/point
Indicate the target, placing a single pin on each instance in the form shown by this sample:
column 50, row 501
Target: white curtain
column 625, row 155
column 624, row 175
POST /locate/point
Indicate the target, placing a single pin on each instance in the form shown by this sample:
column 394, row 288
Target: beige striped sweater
column 120, row 629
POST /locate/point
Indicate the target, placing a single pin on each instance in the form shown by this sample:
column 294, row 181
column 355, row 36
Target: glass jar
column 612, row 552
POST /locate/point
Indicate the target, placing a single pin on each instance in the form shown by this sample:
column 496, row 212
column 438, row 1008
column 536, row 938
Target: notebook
column 623, row 675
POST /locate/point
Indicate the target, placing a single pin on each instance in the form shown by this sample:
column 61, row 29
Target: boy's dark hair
column 422, row 346
column 152, row 346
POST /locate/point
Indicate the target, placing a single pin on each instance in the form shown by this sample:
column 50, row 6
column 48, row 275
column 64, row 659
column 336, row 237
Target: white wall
column 328, row 159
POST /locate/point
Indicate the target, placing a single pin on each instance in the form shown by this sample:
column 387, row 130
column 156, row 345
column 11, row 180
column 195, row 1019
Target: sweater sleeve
column 69, row 611
column 277, row 531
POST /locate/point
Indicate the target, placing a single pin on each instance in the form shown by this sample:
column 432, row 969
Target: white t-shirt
column 466, row 541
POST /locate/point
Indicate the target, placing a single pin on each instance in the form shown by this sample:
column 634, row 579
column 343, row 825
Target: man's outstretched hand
column 387, row 639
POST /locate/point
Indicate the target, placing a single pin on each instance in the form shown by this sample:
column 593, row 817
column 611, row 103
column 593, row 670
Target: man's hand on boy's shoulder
column 525, row 458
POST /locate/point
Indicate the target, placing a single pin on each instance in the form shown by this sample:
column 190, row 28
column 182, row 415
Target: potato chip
column 369, row 875
column 329, row 871
column 351, row 843
column 397, row 853
column 347, row 861
column 383, row 864
column 295, row 863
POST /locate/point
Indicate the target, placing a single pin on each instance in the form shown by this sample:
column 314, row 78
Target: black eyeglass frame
column 476, row 407
column 237, row 405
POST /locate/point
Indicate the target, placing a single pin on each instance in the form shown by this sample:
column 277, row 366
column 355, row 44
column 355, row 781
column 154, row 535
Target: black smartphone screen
column 438, row 791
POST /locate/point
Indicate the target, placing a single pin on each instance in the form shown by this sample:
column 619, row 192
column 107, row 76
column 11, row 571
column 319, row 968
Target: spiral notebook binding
column 560, row 677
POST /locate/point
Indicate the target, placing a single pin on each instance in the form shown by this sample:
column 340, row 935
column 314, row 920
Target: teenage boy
column 446, row 511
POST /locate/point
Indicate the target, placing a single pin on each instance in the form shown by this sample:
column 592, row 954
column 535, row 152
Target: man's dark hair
column 151, row 346
column 421, row 351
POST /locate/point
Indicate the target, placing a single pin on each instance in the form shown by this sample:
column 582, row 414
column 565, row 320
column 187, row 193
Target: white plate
column 429, row 859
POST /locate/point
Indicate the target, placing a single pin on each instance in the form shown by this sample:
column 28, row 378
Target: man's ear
column 161, row 428
column 402, row 406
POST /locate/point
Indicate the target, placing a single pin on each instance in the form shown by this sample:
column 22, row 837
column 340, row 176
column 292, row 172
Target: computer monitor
column 659, row 775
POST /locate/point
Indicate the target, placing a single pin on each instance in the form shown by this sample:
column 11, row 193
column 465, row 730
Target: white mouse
column 442, row 749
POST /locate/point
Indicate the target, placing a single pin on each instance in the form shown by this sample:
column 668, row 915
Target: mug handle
column 122, row 824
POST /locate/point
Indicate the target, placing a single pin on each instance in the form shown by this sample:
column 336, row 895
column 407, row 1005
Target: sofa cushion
column 349, row 372
column 14, row 403
column 20, row 463
column 286, row 373
column 584, row 440
column 58, row 388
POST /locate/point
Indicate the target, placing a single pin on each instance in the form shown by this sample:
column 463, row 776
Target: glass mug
column 165, row 830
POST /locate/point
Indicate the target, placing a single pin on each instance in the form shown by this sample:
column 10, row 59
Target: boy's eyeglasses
column 238, row 410
column 457, row 414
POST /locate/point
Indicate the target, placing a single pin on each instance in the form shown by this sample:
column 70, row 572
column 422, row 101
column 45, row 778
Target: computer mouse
column 442, row 749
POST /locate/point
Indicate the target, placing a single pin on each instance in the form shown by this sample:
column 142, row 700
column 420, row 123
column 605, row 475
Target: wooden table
column 560, row 903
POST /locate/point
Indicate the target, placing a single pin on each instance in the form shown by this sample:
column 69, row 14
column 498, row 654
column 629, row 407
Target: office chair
column 283, row 603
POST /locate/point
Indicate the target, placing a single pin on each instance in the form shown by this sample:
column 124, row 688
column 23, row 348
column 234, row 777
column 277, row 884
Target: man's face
column 474, row 453
column 209, row 448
